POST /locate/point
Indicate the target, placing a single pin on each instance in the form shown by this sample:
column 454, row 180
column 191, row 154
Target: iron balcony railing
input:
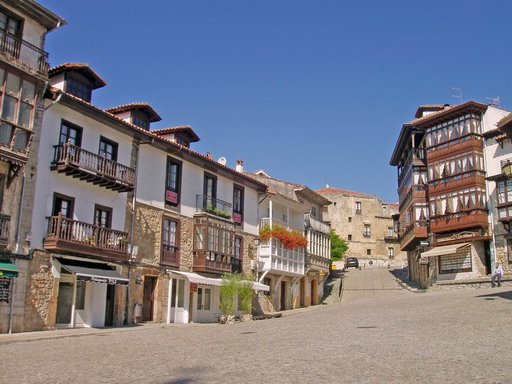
column 23, row 52
column 217, row 207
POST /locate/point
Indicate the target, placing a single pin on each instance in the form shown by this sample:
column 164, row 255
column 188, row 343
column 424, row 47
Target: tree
column 338, row 246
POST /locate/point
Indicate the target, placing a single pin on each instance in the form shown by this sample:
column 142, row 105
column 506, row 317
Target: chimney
column 208, row 155
column 239, row 166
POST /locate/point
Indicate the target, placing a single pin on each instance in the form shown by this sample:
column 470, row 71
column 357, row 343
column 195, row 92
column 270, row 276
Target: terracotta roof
column 430, row 108
column 182, row 128
column 505, row 122
column 83, row 69
column 134, row 106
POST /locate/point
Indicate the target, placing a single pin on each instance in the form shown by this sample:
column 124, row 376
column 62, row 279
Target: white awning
column 198, row 279
column 260, row 287
column 444, row 250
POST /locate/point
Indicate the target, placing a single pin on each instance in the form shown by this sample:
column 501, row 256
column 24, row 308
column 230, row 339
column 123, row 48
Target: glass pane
column 3, row 21
column 20, row 141
column 28, row 91
column 13, row 83
column 207, row 299
column 1, row 78
column 181, row 293
column 80, row 295
column 25, row 115
column 199, row 298
column 9, row 109
column 5, row 134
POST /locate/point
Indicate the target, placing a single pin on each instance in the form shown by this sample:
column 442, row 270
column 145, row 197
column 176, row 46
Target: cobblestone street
column 379, row 333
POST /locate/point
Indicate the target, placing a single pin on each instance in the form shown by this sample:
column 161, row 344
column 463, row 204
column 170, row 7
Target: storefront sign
column 103, row 280
column 237, row 218
column 193, row 287
column 4, row 289
column 171, row 197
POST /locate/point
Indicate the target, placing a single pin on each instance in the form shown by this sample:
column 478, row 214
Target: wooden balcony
column 477, row 218
column 455, row 183
column 417, row 193
column 76, row 237
column 462, row 145
column 211, row 264
column 24, row 55
column 315, row 262
column 170, row 256
column 5, row 222
column 92, row 168
column 413, row 234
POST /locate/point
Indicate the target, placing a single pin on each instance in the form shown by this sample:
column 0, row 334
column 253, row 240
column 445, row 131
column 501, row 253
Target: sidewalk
column 78, row 332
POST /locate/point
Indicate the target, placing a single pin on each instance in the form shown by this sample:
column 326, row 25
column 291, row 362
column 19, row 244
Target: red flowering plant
column 290, row 239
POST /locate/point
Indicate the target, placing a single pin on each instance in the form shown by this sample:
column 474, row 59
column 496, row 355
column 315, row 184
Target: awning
column 260, row 287
column 94, row 272
column 444, row 250
column 198, row 279
column 8, row 269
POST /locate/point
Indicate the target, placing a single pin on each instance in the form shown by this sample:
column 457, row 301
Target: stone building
column 366, row 223
column 23, row 80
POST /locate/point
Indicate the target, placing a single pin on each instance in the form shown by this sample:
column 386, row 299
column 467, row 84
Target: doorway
column 109, row 306
column 314, row 292
column 283, row 295
column 148, row 298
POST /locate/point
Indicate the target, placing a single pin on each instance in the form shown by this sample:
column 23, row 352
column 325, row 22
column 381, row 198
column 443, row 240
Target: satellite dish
column 222, row 160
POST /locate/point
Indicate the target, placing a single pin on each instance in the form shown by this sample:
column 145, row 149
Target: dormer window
column 140, row 120
column 79, row 87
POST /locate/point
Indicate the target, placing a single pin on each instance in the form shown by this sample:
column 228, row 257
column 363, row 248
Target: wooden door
column 283, row 295
column 148, row 298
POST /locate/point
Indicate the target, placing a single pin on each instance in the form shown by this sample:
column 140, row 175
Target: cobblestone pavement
column 377, row 334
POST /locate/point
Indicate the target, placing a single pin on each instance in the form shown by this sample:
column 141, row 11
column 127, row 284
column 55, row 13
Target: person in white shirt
column 497, row 275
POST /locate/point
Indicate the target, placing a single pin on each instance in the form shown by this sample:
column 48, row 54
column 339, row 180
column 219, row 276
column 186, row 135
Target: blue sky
column 312, row 91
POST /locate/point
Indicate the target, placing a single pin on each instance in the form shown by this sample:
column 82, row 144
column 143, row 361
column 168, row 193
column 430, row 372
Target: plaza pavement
column 379, row 333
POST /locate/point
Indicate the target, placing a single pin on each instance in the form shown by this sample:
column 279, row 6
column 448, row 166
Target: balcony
column 412, row 234
column 275, row 258
column 315, row 262
column 92, row 168
column 417, row 193
column 464, row 144
column 317, row 225
column 24, row 55
column 457, row 182
column 170, row 256
column 213, row 206
column 459, row 221
column 211, row 263
column 76, row 237
column 214, row 244
column 5, row 221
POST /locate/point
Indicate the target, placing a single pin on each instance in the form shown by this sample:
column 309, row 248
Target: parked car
column 352, row 262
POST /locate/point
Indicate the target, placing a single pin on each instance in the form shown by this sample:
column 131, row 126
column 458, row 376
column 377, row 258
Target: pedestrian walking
column 497, row 275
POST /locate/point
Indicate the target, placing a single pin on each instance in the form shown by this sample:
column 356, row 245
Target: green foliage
column 233, row 285
column 338, row 246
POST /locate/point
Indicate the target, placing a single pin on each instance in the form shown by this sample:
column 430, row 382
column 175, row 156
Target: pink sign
column 237, row 218
column 171, row 197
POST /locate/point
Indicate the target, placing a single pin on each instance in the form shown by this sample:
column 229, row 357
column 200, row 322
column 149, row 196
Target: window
column 77, row 86
column 172, row 182
column 313, row 211
column 2, row 184
column 102, row 216
column 209, row 192
column 367, row 231
column 391, row 253
column 63, row 205
column 108, row 149
column 509, row 250
column 368, row 252
column 349, row 237
column 204, row 298
column 178, row 291
column 170, row 241
column 18, row 97
column 349, row 219
column 359, row 207
column 70, row 133
column 390, row 232
column 238, row 204
column 236, row 261
column 9, row 24
column 504, row 188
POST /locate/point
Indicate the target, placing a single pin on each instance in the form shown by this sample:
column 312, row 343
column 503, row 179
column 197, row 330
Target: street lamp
column 506, row 168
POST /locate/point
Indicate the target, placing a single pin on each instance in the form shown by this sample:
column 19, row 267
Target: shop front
column 86, row 292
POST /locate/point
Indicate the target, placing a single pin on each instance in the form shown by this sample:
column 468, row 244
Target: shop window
column 80, row 295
